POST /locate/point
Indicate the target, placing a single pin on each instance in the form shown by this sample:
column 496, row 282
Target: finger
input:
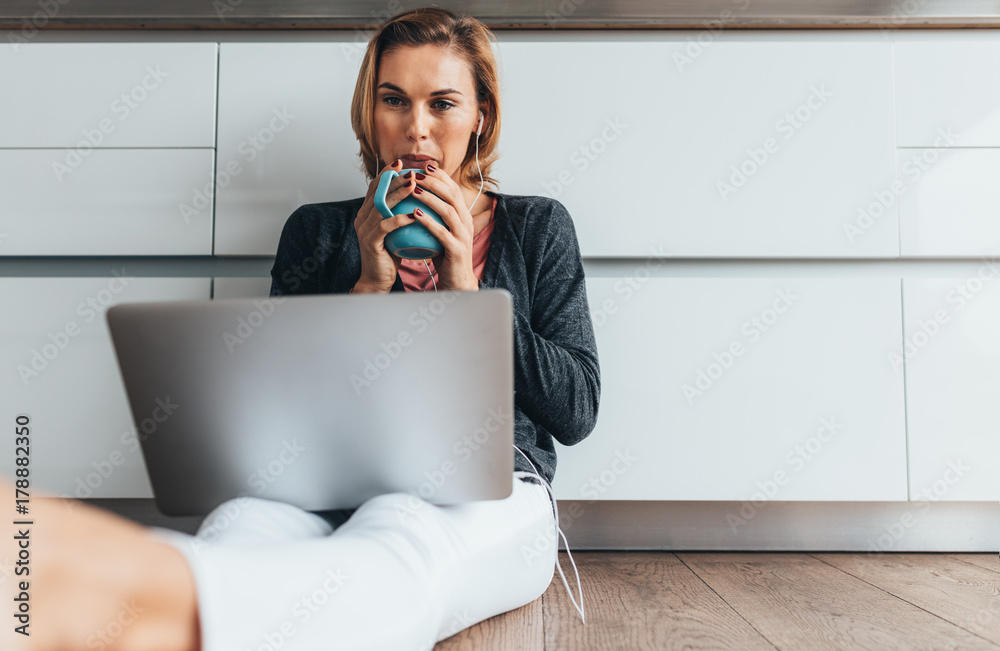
column 401, row 181
column 445, row 210
column 393, row 223
column 437, row 230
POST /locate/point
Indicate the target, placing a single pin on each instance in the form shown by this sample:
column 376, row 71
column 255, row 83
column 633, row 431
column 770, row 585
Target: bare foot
column 95, row 581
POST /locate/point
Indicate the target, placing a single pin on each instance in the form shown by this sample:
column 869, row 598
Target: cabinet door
column 764, row 145
column 115, row 202
column 951, row 355
column 85, row 95
column 62, row 372
column 743, row 389
column 950, row 203
column 285, row 139
column 947, row 88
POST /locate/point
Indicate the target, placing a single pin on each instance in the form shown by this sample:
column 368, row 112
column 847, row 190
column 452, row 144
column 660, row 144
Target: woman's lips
column 409, row 162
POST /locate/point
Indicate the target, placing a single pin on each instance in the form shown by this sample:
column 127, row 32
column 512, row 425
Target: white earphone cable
column 548, row 487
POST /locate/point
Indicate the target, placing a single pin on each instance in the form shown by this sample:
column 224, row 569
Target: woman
column 261, row 574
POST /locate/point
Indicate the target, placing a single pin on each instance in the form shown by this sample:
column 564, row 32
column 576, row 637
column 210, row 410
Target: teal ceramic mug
column 412, row 241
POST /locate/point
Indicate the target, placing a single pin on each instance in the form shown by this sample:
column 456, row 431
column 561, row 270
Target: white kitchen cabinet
column 952, row 366
column 62, row 372
column 743, row 389
column 285, row 138
column 85, row 95
column 950, row 202
column 947, row 88
column 762, row 145
column 115, row 202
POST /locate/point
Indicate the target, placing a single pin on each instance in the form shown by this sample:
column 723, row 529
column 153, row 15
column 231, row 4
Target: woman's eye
column 443, row 105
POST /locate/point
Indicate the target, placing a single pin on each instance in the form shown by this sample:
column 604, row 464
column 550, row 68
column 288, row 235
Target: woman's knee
column 260, row 520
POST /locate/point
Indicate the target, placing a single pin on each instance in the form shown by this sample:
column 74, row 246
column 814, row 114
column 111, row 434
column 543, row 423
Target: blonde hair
column 469, row 39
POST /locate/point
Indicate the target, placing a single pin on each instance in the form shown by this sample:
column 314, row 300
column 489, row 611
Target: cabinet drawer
column 950, row 202
column 84, row 95
column 952, row 366
column 726, row 388
column 113, row 202
column 763, row 146
column 947, row 83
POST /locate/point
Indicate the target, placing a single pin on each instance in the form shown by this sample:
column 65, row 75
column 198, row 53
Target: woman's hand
column 378, row 266
column 454, row 267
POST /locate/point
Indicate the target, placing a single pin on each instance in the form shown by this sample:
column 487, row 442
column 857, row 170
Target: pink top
column 414, row 274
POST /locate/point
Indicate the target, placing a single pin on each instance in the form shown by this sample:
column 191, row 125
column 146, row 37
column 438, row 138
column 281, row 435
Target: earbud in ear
column 479, row 129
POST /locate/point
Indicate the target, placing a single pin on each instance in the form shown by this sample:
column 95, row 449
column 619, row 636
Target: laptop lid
column 321, row 401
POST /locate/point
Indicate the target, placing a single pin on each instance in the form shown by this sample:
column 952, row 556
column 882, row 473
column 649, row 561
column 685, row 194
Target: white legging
column 400, row 573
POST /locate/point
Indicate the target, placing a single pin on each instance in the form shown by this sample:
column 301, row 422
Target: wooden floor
column 735, row 600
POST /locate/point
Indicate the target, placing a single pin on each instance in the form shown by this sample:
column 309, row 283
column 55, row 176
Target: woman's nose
column 418, row 122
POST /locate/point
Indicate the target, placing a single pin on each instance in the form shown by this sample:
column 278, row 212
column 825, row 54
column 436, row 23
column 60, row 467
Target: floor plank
column 990, row 561
column 799, row 602
column 963, row 594
column 521, row 629
column 640, row 600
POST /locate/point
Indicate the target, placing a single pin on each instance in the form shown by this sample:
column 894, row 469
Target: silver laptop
column 322, row 401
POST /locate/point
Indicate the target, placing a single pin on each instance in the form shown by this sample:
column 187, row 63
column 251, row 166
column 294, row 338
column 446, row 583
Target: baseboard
column 734, row 526
column 782, row 526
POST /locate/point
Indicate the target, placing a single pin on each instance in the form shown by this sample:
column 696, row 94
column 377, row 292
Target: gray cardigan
column 534, row 255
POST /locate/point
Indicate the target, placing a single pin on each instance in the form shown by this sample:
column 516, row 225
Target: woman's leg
column 401, row 573
column 95, row 580
column 254, row 521
column 503, row 555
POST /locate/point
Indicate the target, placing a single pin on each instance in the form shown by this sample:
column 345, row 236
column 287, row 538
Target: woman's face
column 425, row 104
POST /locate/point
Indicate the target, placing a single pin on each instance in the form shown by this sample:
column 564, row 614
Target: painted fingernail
column 397, row 162
column 431, row 168
column 417, row 190
column 408, row 175
column 421, row 177
column 418, row 211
